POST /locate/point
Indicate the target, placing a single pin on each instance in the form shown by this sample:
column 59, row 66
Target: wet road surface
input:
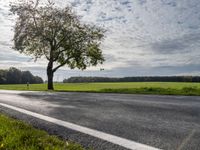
column 165, row 122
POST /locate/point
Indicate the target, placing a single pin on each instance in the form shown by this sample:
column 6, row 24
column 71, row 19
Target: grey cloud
column 154, row 71
column 75, row 3
column 178, row 45
column 120, row 71
column 142, row 2
column 169, row 2
column 109, row 18
column 193, row 27
column 5, row 43
column 135, row 27
column 13, row 58
column 110, row 58
column 168, row 47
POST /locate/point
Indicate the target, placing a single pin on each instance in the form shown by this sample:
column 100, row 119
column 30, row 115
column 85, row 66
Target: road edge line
column 132, row 145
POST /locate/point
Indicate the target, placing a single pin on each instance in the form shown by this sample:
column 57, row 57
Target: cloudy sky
column 144, row 38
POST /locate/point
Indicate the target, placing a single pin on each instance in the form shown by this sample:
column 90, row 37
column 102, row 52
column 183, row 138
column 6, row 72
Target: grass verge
column 16, row 135
column 190, row 91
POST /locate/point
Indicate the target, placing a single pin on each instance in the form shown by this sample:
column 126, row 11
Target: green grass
column 16, row 135
column 167, row 88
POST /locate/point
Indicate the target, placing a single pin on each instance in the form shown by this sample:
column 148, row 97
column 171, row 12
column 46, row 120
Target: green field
column 168, row 88
column 16, row 135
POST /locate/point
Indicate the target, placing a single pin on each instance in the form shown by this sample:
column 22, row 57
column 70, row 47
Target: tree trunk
column 50, row 75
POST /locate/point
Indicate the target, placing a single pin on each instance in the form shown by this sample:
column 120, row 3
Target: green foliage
column 133, row 79
column 160, row 88
column 16, row 135
column 57, row 34
column 16, row 76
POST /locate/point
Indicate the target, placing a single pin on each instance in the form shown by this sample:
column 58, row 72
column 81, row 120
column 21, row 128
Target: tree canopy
column 58, row 35
column 16, row 76
column 134, row 79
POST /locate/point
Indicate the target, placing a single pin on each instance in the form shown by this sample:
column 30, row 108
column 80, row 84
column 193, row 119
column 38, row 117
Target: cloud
column 143, row 37
column 186, row 43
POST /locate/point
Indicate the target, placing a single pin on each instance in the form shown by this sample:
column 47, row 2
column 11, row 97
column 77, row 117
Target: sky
column 143, row 38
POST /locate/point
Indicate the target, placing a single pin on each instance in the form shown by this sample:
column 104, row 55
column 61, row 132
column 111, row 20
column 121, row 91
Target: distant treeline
column 16, row 76
column 134, row 79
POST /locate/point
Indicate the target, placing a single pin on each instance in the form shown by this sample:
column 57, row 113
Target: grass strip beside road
column 16, row 135
column 157, row 88
column 189, row 91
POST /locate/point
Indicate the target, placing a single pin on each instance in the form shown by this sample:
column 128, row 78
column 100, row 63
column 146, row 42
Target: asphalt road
column 165, row 122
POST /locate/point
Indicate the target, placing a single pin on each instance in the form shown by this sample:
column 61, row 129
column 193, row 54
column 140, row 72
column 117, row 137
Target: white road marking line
column 98, row 134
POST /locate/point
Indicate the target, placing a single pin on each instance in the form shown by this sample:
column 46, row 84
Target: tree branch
column 58, row 54
column 58, row 43
column 62, row 64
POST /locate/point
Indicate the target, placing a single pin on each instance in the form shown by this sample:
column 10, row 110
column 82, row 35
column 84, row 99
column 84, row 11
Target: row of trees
column 134, row 79
column 16, row 76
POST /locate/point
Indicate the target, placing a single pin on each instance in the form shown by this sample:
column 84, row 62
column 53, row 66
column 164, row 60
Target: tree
column 14, row 76
column 56, row 34
column 27, row 77
column 3, row 76
column 38, row 79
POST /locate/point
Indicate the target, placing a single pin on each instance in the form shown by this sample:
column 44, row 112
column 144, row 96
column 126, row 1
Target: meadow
column 160, row 88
